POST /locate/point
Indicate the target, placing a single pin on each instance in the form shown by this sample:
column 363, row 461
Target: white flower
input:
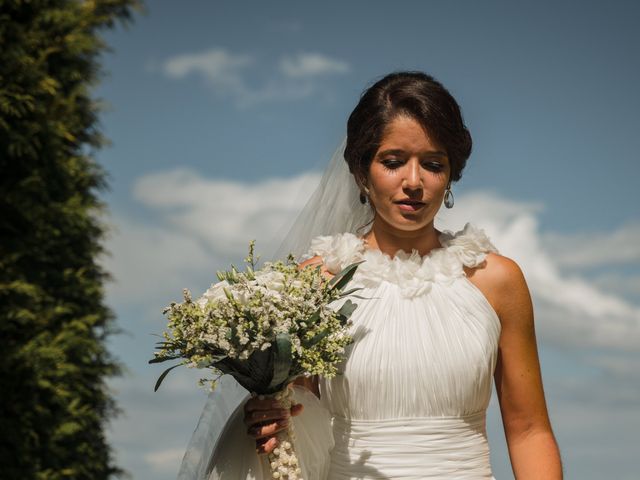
column 215, row 292
column 242, row 296
column 271, row 279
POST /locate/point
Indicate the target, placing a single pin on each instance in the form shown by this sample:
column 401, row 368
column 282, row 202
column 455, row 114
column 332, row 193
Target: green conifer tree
column 54, row 403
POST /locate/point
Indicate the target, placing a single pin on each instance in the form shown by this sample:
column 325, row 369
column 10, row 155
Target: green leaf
column 282, row 360
column 341, row 279
column 313, row 318
column 260, row 365
column 347, row 309
column 349, row 292
column 248, row 383
column 218, row 357
column 164, row 374
column 163, row 359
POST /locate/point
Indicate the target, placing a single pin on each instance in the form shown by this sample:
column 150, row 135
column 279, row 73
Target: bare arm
column 532, row 447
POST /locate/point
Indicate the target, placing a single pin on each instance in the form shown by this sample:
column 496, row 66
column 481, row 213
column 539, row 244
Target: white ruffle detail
column 335, row 250
column 413, row 273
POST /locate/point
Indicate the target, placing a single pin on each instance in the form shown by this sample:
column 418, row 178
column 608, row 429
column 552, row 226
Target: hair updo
column 414, row 94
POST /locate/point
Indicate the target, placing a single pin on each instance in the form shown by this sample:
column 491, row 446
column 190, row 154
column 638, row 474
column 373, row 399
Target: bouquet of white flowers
column 264, row 327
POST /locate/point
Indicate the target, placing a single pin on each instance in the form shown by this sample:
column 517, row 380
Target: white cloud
column 204, row 225
column 225, row 215
column 150, row 262
column 311, row 65
column 164, row 460
column 217, row 64
column 221, row 69
column 583, row 250
column 619, row 283
column 570, row 309
column 230, row 75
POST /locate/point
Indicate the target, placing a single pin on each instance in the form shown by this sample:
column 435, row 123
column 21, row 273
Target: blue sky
column 223, row 114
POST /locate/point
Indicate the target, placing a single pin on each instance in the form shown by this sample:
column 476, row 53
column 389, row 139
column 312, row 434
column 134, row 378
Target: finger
column 260, row 403
column 266, row 445
column 297, row 409
column 267, row 430
column 265, row 416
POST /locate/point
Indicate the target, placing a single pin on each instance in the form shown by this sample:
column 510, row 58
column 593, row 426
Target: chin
column 408, row 225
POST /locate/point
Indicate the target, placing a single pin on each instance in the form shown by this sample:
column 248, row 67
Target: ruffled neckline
column 412, row 272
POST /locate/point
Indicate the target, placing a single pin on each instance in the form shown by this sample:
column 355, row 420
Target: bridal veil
column 219, row 448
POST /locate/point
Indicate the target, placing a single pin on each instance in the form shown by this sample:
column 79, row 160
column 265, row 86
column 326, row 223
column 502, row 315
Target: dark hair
column 414, row 94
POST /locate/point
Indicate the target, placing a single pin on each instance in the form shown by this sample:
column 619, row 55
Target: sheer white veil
column 334, row 207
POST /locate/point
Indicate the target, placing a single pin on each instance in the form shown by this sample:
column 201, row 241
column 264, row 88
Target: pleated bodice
column 411, row 398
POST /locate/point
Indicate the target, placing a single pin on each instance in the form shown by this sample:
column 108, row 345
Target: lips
column 410, row 205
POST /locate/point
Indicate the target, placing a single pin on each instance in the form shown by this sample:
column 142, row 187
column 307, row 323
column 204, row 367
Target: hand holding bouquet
column 264, row 327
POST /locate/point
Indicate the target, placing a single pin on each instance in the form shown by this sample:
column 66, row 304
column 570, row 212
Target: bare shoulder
column 499, row 270
column 502, row 281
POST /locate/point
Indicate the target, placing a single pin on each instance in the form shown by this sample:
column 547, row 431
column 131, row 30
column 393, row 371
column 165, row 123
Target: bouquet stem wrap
column 283, row 460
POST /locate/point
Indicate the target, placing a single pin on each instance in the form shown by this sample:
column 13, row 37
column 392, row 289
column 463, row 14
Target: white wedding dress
column 411, row 398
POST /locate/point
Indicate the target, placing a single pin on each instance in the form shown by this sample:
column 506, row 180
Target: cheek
column 382, row 182
column 438, row 185
column 439, row 192
column 381, row 190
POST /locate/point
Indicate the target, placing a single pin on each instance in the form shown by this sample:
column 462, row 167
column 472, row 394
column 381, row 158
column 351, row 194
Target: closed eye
column 392, row 164
column 433, row 166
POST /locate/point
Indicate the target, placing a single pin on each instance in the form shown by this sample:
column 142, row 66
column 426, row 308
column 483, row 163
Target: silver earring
column 448, row 197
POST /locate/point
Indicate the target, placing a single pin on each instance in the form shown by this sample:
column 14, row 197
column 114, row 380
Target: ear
column 364, row 190
column 363, row 183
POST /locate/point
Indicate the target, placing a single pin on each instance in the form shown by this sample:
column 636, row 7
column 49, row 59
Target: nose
column 413, row 179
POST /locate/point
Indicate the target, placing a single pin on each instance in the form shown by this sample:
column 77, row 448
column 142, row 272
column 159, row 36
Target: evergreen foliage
column 54, row 403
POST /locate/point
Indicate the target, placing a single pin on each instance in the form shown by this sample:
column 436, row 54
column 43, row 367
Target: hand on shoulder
column 317, row 262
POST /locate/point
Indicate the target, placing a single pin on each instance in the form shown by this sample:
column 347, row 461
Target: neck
column 389, row 240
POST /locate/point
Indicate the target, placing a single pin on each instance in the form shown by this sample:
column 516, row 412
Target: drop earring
column 364, row 195
column 448, row 197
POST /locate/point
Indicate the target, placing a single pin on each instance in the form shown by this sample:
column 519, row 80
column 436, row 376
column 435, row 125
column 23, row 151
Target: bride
column 440, row 314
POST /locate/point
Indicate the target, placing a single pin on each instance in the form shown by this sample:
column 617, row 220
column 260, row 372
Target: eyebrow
column 397, row 151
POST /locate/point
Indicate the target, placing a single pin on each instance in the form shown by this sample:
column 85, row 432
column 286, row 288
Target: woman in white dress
column 444, row 314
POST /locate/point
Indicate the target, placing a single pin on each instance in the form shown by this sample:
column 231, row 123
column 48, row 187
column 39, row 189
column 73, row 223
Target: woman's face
column 408, row 176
